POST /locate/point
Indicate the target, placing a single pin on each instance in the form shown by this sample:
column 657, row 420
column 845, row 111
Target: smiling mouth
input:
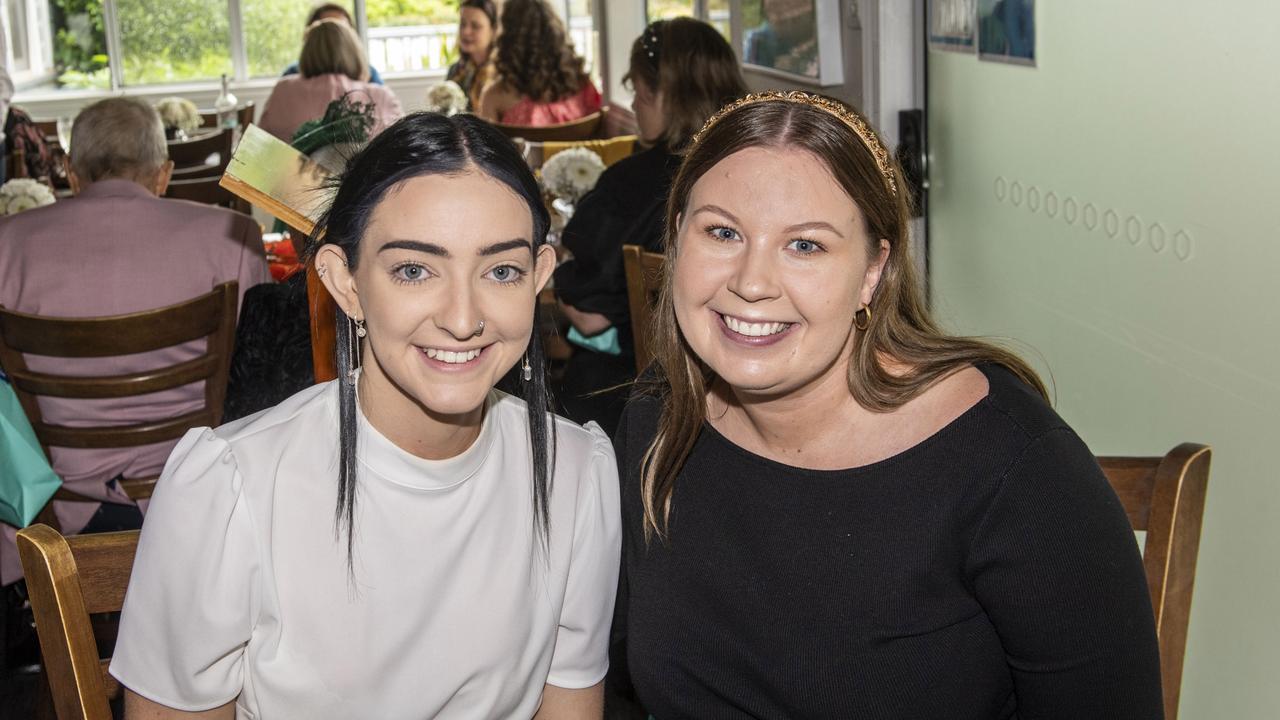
column 754, row 329
column 451, row 357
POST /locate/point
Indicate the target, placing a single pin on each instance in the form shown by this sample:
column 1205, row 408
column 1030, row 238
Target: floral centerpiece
column 23, row 194
column 446, row 98
column 180, row 117
column 571, row 173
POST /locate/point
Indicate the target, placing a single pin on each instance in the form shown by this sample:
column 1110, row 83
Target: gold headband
column 855, row 123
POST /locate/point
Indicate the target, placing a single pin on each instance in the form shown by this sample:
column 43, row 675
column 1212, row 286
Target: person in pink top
column 116, row 248
column 540, row 80
column 332, row 65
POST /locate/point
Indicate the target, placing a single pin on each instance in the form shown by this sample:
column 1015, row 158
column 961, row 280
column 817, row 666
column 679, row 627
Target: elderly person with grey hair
column 117, row 247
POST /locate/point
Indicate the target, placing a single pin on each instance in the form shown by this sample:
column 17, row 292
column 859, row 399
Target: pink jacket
column 115, row 249
column 536, row 114
column 295, row 100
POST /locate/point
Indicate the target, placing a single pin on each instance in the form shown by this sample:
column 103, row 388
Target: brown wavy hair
column 534, row 54
column 695, row 71
column 900, row 332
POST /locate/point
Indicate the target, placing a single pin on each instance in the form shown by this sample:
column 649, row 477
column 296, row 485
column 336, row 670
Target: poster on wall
column 1007, row 31
column 951, row 25
column 798, row 40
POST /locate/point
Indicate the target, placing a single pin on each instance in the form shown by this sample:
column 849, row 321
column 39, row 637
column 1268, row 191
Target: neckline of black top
column 990, row 371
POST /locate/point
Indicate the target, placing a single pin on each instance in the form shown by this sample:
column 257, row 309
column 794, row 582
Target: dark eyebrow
column 501, row 247
column 719, row 210
column 815, row 225
column 416, row 245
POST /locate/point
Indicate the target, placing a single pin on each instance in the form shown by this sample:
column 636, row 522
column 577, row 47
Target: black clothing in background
column 988, row 572
column 626, row 207
column 272, row 359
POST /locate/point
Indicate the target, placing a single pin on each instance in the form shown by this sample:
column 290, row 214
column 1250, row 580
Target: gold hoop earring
column 865, row 311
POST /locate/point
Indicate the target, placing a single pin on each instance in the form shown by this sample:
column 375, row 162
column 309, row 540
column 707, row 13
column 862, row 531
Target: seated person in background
column 115, row 248
column 332, row 11
column 333, row 65
column 540, row 78
column 681, row 71
column 477, row 24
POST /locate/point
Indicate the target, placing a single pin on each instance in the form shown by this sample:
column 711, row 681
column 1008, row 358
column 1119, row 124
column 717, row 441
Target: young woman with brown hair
column 540, row 78
column 681, row 72
column 832, row 508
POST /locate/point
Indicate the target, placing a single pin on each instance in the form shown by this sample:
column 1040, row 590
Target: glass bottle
column 225, row 106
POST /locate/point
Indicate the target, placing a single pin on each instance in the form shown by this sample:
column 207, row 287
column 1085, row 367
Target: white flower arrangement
column 179, row 114
column 446, row 98
column 570, row 174
column 23, row 194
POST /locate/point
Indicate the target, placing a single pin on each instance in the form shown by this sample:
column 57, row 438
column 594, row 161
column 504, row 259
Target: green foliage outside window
column 395, row 13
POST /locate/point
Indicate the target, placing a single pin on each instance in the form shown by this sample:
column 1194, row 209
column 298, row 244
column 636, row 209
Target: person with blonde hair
column 540, row 79
column 332, row 65
column 833, row 508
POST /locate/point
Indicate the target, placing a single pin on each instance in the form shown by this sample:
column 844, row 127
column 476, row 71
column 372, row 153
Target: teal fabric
column 26, row 480
column 605, row 342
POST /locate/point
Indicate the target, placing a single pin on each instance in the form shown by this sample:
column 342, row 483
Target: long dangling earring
column 355, row 332
column 526, row 369
column 865, row 313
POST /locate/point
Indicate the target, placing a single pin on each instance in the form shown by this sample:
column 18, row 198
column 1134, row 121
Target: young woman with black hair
column 392, row 544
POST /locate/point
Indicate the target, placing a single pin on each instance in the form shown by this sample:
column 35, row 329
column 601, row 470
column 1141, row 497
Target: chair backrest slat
column 644, row 280
column 583, row 128
column 139, row 383
column 113, row 335
column 116, row 436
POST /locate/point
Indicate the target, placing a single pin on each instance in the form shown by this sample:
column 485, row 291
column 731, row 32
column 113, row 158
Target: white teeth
column 754, row 329
column 450, row 356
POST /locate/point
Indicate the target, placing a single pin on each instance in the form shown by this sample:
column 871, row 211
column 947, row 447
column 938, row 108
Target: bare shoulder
column 496, row 98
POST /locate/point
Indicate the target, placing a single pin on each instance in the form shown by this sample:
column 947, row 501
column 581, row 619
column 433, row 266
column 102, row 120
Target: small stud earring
column 527, row 370
column 322, row 270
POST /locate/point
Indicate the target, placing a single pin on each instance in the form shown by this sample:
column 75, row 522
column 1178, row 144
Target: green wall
column 1115, row 210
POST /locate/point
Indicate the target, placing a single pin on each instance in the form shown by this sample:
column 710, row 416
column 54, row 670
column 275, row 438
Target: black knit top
column 987, row 572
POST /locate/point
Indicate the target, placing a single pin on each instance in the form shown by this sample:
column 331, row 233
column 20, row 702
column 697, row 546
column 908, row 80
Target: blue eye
column 722, row 233
column 506, row 274
column 805, row 247
column 409, row 273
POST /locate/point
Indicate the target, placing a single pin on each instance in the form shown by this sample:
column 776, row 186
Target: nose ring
column 480, row 329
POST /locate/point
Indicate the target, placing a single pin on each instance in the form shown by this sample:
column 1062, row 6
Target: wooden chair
column 610, row 151
column 69, row 579
column 1164, row 496
column 244, row 116
column 580, row 129
column 211, row 316
column 324, row 334
column 208, row 191
column 194, row 155
column 644, row 278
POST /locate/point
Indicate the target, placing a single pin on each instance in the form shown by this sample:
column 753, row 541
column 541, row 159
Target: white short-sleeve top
column 241, row 588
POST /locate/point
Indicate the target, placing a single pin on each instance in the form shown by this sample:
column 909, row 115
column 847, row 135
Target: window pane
column 173, row 40
column 409, row 35
column 273, row 33
column 80, row 44
column 667, row 9
column 718, row 16
column 582, row 32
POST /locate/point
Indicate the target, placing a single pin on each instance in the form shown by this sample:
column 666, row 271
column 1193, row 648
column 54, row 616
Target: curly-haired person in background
column 541, row 80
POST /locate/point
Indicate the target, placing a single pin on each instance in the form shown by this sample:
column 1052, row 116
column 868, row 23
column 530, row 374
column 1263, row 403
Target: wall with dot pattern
column 1114, row 210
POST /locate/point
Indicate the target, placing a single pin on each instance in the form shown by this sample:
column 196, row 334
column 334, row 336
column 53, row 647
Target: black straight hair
column 432, row 144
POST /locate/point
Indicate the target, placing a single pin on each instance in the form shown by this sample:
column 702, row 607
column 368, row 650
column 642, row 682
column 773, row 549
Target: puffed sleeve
column 581, row 657
column 191, row 602
column 1055, row 565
